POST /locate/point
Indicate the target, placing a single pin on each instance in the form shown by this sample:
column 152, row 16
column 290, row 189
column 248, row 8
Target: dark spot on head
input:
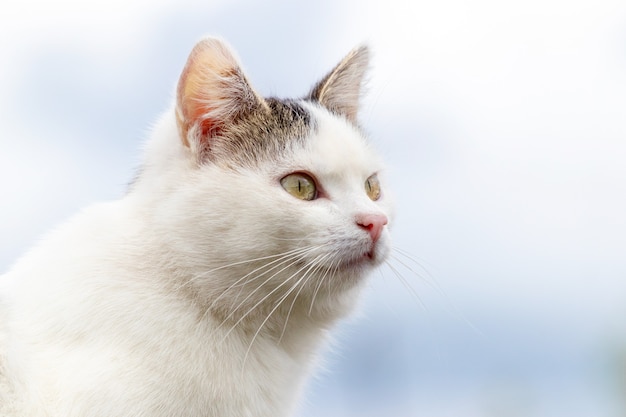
column 262, row 134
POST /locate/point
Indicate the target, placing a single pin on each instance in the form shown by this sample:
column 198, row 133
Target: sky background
column 504, row 128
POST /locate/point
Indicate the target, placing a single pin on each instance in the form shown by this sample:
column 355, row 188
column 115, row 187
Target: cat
column 208, row 288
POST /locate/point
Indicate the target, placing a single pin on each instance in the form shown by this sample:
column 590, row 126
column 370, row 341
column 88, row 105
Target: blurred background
column 504, row 128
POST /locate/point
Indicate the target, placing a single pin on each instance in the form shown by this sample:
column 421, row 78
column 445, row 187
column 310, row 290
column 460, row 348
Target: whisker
column 304, row 277
column 205, row 273
column 297, row 239
column 428, row 279
column 319, row 285
column 277, row 263
column 317, row 264
column 258, row 303
column 284, row 258
column 432, row 283
column 406, row 285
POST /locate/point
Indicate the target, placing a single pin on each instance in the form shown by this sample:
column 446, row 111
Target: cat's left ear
column 212, row 93
column 340, row 90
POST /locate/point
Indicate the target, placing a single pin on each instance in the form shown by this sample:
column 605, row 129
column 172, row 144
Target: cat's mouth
column 368, row 259
column 352, row 257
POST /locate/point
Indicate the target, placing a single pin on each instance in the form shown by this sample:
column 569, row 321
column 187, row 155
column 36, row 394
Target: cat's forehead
column 297, row 135
column 261, row 137
column 337, row 146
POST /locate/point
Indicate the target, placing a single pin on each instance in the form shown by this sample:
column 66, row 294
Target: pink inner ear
column 209, row 128
column 212, row 92
column 202, row 96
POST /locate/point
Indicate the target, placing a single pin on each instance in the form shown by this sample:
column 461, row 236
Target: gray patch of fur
column 262, row 135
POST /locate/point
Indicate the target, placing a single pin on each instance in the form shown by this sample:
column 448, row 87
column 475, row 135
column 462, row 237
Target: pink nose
column 373, row 223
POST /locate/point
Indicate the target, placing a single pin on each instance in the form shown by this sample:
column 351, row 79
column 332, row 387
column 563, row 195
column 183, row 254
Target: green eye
column 372, row 187
column 300, row 185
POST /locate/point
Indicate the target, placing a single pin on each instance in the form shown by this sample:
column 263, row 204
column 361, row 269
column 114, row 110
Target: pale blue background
column 504, row 128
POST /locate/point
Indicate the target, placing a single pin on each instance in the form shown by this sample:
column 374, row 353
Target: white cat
column 207, row 289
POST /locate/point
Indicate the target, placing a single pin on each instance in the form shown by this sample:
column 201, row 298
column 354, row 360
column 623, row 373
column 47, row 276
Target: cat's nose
column 373, row 223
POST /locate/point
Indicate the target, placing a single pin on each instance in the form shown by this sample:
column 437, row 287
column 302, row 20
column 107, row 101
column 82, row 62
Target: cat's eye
column 300, row 185
column 372, row 187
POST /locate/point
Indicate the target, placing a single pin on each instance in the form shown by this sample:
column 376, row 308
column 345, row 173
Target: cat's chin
column 363, row 263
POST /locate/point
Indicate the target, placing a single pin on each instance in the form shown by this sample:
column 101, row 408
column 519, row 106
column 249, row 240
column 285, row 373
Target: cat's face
column 283, row 200
column 335, row 193
column 310, row 222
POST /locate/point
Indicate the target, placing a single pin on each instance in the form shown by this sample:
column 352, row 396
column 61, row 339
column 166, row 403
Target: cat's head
column 273, row 201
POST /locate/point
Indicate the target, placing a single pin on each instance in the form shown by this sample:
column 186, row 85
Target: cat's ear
column 212, row 93
column 340, row 90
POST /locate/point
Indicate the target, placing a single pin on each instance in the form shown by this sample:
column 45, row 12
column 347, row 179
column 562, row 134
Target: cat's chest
column 189, row 373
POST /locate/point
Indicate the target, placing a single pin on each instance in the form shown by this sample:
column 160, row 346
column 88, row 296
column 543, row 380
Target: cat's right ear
column 212, row 93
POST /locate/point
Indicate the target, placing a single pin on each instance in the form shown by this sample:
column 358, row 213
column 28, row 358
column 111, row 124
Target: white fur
column 126, row 309
column 206, row 290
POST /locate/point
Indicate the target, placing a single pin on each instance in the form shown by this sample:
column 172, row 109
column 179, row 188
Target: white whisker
column 319, row 285
column 406, row 285
column 262, row 300
column 304, row 278
column 431, row 282
column 247, row 261
column 284, row 258
column 317, row 264
column 298, row 239
column 428, row 279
